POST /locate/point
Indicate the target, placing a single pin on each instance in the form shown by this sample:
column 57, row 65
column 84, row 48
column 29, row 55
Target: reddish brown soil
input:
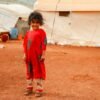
column 73, row 73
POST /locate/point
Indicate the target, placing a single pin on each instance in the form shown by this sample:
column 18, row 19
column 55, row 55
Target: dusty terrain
column 73, row 73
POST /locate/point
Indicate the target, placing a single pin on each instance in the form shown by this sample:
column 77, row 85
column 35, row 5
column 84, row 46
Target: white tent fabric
column 85, row 28
column 79, row 28
column 85, row 5
column 28, row 3
column 68, row 5
column 50, row 5
column 61, row 29
column 9, row 14
column 7, row 20
column 18, row 9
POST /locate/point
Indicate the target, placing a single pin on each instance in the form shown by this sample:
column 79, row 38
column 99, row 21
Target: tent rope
column 54, row 18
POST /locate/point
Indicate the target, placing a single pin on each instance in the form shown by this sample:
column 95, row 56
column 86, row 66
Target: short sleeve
column 44, row 40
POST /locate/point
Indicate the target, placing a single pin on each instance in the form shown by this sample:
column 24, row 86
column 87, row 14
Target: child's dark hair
column 35, row 16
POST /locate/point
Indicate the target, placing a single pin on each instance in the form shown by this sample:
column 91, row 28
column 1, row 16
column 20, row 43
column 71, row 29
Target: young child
column 34, row 48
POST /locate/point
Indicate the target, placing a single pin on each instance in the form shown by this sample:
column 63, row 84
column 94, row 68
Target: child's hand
column 24, row 57
column 43, row 56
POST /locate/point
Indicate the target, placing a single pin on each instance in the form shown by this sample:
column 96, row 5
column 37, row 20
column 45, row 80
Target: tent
column 71, row 22
column 20, row 10
column 9, row 14
column 7, row 20
column 28, row 3
column 68, row 5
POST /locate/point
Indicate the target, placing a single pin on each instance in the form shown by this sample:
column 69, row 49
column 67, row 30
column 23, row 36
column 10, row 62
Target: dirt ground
column 73, row 73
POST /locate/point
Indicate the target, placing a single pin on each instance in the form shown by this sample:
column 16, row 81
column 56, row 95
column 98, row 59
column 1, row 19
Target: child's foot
column 28, row 92
column 39, row 93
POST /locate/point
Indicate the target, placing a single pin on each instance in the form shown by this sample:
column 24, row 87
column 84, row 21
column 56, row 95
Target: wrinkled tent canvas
column 18, row 9
column 9, row 14
column 28, row 3
column 81, row 27
column 7, row 20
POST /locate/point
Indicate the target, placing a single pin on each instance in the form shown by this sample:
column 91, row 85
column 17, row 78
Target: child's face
column 35, row 24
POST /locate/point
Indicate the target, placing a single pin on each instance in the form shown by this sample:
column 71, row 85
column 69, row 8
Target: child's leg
column 29, row 84
column 29, row 89
column 29, row 78
column 39, row 87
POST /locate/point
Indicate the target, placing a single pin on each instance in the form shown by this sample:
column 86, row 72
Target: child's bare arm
column 43, row 55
